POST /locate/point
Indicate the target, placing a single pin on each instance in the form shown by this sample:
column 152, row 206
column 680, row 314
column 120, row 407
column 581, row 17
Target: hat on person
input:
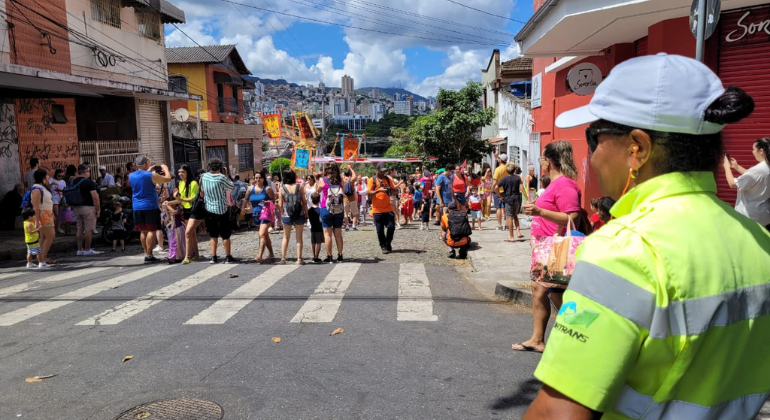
column 381, row 167
column 102, row 168
column 441, row 171
column 504, row 157
column 665, row 93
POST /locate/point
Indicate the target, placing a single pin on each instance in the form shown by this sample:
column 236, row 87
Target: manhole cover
column 176, row 409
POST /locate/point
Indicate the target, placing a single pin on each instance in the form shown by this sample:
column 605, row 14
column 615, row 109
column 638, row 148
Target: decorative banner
column 301, row 159
column 349, row 146
column 271, row 124
column 304, row 126
column 325, row 159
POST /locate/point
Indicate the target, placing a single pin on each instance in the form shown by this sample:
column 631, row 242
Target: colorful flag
column 350, row 145
column 271, row 124
column 301, row 159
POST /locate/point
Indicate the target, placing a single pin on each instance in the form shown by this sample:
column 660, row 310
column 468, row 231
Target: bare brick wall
column 31, row 48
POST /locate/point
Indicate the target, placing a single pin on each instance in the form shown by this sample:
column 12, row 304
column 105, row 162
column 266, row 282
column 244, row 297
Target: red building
column 580, row 42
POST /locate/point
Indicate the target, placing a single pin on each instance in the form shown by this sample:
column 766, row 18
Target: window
column 245, row 156
column 235, row 98
column 57, row 112
column 177, row 84
column 220, row 97
column 106, row 11
column 149, row 25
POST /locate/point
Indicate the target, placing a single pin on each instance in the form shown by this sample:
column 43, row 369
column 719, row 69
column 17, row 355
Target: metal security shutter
column 745, row 65
column 641, row 47
column 151, row 131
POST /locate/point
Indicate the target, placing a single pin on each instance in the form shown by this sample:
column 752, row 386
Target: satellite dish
column 181, row 114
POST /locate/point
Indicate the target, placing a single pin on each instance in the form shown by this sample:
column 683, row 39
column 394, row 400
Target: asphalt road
column 419, row 341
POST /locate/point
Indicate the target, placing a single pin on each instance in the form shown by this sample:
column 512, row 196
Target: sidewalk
column 13, row 248
column 500, row 268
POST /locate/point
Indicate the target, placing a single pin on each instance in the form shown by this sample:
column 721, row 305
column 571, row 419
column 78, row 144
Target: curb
column 21, row 253
column 509, row 291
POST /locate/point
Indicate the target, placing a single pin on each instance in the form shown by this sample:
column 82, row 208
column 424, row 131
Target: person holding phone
column 753, row 184
column 145, row 202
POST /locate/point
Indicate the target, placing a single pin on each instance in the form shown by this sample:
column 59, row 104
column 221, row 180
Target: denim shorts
column 299, row 221
column 460, row 198
column 475, row 214
column 329, row 220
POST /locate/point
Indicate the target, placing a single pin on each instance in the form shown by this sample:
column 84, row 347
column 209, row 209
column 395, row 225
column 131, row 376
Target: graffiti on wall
column 55, row 145
column 10, row 173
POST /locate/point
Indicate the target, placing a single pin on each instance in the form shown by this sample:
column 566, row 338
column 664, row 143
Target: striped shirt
column 215, row 188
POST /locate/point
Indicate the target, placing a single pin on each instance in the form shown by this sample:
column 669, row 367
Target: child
column 604, row 206
column 32, row 238
column 407, row 204
column 175, row 227
column 316, row 230
column 425, row 212
column 596, row 223
column 544, row 183
column 417, row 200
column 475, row 203
column 118, row 219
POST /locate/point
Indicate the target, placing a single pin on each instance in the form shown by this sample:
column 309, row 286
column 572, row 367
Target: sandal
column 524, row 347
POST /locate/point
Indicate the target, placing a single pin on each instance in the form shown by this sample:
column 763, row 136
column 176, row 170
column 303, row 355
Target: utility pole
column 700, row 38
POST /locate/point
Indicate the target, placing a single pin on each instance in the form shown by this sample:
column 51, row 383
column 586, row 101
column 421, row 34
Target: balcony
column 228, row 105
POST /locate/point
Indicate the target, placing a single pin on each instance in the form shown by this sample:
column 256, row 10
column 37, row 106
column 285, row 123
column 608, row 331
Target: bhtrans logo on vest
column 568, row 314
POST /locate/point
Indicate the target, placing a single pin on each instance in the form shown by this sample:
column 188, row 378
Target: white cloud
column 373, row 58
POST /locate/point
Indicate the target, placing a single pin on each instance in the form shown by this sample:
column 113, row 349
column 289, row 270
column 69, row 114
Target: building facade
column 738, row 51
column 83, row 81
column 215, row 73
column 348, row 87
column 402, row 107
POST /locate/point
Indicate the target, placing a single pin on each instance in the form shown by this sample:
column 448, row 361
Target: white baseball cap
column 665, row 93
column 504, row 157
column 102, row 168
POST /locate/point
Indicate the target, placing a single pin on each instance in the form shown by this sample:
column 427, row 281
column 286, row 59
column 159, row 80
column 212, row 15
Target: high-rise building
column 364, row 107
column 348, row 87
column 376, row 111
column 410, row 99
column 402, row 107
column 375, row 93
column 321, row 86
column 396, row 96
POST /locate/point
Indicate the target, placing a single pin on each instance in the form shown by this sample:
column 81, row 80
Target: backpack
column 72, row 193
column 349, row 190
column 292, row 203
column 459, row 227
column 26, row 201
column 334, row 202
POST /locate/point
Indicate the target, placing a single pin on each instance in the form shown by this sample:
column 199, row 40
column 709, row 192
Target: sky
column 418, row 45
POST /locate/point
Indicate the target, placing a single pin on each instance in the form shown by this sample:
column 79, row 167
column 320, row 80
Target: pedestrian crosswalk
column 108, row 295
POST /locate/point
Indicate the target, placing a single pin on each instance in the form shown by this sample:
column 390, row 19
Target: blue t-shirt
column 145, row 196
column 417, row 197
column 444, row 184
column 257, row 199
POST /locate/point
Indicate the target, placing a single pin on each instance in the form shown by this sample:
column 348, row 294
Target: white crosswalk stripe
column 228, row 306
column 9, row 275
column 19, row 315
column 12, row 290
column 323, row 305
column 415, row 300
column 126, row 310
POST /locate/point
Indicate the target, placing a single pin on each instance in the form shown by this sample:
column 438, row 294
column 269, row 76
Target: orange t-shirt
column 448, row 239
column 380, row 200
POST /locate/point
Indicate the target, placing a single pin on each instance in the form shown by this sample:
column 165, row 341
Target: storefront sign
column 584, row 78
column 537, row 90
column 748, row 26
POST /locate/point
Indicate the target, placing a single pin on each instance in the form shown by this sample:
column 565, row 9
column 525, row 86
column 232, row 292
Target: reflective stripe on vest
column 642, row 407
column 687, row 317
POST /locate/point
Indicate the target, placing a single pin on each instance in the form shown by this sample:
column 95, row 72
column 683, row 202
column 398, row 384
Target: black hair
column 545, row 181
column 237, row 177
column 452, row 205
column 450, row 167
column 605, row 204
column 40, row 176
column 679, row 152
column 128, row 166
column 27, row 213
column 764, row 145
column 347, row 172
column 289, row 177
column 58, row 172
column 118, row 177
column 33, row 162
column 71, row 171
column 518, row 170
column 189, row 179
column 215, row 165
column 332, row 170
column 311, row 177
column 559, row 153
column 199, row 174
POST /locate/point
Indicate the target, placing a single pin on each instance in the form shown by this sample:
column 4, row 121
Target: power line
column 376, row 21
column 485, row 12
column 353, row 27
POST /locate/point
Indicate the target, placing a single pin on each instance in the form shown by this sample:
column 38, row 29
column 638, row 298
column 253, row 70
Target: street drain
column 176, row 409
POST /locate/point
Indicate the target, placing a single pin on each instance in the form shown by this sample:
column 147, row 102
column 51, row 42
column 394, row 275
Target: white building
column 376, row 111
column 353, row 122
column 402, row 107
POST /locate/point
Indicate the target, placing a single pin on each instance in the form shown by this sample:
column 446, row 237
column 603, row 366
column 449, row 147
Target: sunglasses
column 592, row 135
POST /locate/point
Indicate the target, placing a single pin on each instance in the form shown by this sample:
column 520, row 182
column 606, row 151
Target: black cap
column 381, row 167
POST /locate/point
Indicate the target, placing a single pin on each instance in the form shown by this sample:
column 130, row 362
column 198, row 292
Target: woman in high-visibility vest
column 666, row 314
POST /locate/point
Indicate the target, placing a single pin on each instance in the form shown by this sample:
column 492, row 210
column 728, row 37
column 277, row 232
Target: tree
column 402, row 147
column 449, row 134
column 278, row 166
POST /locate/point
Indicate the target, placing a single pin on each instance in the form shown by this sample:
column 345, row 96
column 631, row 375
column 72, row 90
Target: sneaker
column 354, row 228
column 81, row 253
column 158, row 249
column 385, row 251
column 43, row 265
column 214, row 260
column 171, row 261
column 91, row 252
column 452, row 254
column 347, row 229
column 186, row 261
column 390, row 248
column 60, row 231
column 317, row 260
column 329, row 260
column 31, row 265
column 339, row 258
column 499, row 228
column 113, row 250
column 95, row 232
column 229, row 260
column 150, row 258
